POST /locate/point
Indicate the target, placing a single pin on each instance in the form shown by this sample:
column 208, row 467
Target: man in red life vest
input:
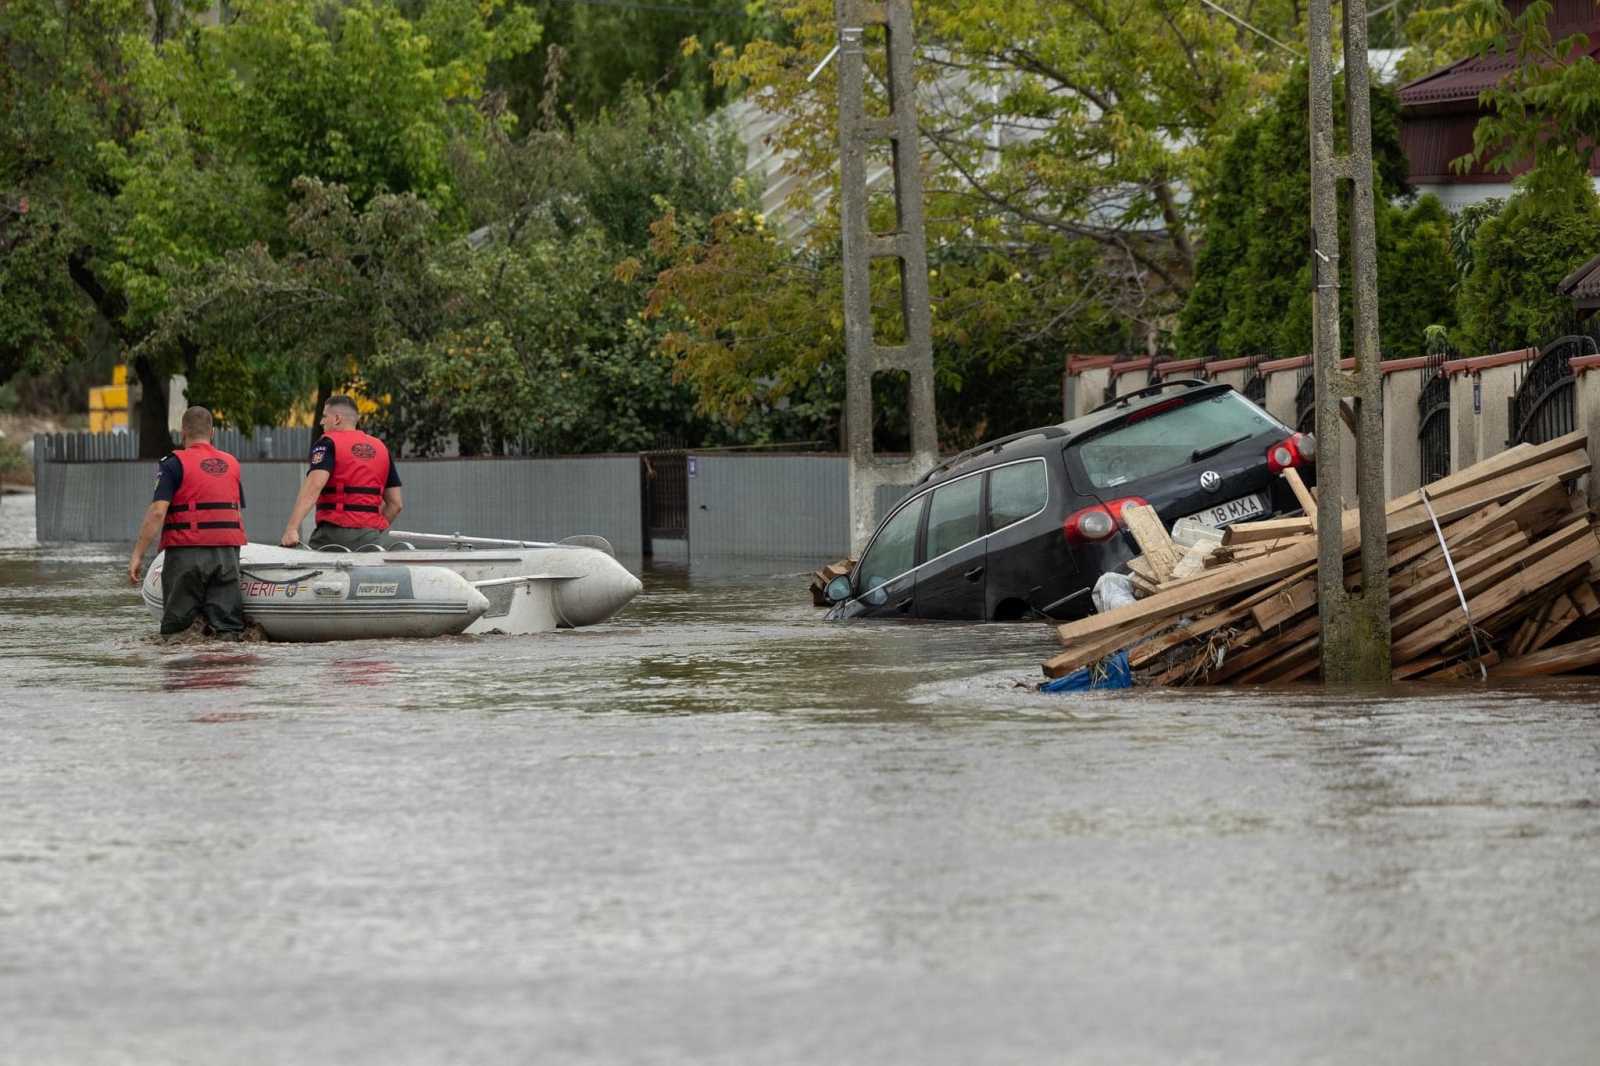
column 198, row 512
column 352, row 482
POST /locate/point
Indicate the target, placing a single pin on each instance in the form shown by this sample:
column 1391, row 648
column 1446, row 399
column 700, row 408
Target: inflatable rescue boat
column 426, row 585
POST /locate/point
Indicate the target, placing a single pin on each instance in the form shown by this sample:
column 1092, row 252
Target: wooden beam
column 1501, row 595
column 1271, row 529
column 1286, row 604
column 1203, row 626
column 1561, row 659
column 1160, row 554
column 1301, row 493
column 1561, row 615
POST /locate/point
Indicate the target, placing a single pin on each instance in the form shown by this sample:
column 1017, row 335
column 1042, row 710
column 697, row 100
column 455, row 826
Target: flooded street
column 718, row 830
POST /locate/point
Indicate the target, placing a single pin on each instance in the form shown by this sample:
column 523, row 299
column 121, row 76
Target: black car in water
column 1025, row 525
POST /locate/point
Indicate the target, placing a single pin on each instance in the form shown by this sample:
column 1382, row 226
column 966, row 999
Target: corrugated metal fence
column 283, row 442
column 757, row 506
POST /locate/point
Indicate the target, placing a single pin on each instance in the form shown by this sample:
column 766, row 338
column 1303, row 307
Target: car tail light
column 1291, row 451
column 1097, row 522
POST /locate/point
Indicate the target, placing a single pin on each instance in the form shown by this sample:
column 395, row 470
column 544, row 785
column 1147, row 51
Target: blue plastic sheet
column 1111, row 672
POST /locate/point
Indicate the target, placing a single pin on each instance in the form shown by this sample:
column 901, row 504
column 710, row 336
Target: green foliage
column 63, row 92
column 1544, row 108
column 648, row 152
column 605, row 47
column 542, row 349
column 1416, row 279
column 350, row 93
column 526, row 336
column 1547, row 228
column 260, row 331
column 1252, row 294
column 745, row 325
column 11, row 460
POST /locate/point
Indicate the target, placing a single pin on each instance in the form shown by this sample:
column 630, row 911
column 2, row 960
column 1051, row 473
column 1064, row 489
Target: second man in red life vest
column 197, row 510
column 352, row 483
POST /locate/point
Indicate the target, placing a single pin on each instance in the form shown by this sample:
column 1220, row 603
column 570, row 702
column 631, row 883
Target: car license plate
column 1232, row 511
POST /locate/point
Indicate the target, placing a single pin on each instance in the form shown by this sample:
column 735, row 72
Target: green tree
column 605, row 47
column 142, row 143
column 1549, row 226
column 1252, row 294
column 523, row 335
column 63, row 93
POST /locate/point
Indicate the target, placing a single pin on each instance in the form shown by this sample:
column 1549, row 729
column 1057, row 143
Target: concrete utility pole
column 1355, row 627
column 907, row 244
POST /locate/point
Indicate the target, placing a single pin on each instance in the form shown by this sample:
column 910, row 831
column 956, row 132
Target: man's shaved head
column 197, row 424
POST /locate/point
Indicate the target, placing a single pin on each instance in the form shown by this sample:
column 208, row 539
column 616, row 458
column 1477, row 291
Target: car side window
column 893, row 550
column 1015, row 493
column 953, row 516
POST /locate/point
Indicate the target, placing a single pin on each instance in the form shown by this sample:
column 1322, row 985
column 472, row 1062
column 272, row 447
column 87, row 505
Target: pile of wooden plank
column 1525, row 551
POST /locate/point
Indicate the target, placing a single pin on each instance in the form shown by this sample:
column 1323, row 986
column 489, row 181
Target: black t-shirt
column 169, row 475
column 322, row 459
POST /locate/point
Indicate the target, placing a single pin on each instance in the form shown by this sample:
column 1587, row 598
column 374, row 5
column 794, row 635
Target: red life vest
column 204, row 512
column 353, row 496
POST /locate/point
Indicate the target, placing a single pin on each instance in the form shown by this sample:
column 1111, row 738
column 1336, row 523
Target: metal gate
column 664, row 480
column 1255, row 382
column 1305, row 402
column 1544, row 405
column 1433, row 420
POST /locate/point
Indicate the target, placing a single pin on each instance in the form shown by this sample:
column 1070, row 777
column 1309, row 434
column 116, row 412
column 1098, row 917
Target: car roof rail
column 991, row 446
column 1151, row 390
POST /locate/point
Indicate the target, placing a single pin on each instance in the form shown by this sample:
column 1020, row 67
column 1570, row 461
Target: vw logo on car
column 1211, row 481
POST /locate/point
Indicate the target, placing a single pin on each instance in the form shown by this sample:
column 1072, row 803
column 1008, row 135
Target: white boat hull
column 322, row 601
column 514, row 590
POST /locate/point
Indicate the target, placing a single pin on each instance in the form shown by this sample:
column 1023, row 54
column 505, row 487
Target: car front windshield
column 1169, row 439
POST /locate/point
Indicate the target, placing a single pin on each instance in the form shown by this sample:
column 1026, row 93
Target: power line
column 1253, row 29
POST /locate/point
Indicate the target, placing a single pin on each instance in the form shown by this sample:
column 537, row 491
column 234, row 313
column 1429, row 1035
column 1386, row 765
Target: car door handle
column 974, row 574
column 904, row 605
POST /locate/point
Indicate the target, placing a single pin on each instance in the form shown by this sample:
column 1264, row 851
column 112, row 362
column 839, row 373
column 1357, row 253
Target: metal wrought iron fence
column 1305, row 401
column 1255, row 382
column 1544, row 405
column 1433, row 420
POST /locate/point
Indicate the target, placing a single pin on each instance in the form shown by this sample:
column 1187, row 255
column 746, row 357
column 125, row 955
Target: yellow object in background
column 108, row 404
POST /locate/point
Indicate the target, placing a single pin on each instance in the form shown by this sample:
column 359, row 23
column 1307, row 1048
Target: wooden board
column 1160, row 554
column 1502, row 594
column 1471, row 670
column 1209, row 588
column 1561, row 616
column 1081, row 655
column 1286, row 604
column 1200, row 627
column 1474, row 570
column 1271, row 529
column 1561, row 659
column 1301, row 493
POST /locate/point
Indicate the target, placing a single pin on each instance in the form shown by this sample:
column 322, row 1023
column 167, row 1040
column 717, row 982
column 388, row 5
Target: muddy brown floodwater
column 718, row 830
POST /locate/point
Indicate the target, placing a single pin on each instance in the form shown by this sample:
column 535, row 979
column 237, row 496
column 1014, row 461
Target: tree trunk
column 155, row 440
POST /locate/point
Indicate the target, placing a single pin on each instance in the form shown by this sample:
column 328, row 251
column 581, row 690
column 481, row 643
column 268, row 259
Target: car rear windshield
column 1168, row 439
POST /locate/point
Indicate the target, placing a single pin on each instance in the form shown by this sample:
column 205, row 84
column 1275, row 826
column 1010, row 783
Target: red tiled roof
column 1462, row 80
column 1466, row 78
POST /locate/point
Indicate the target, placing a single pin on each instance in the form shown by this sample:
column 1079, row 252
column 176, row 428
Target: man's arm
column 315, row 482
column 393, row 503
column 155, row 516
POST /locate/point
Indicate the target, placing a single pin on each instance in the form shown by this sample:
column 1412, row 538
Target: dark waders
column 201, row 582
